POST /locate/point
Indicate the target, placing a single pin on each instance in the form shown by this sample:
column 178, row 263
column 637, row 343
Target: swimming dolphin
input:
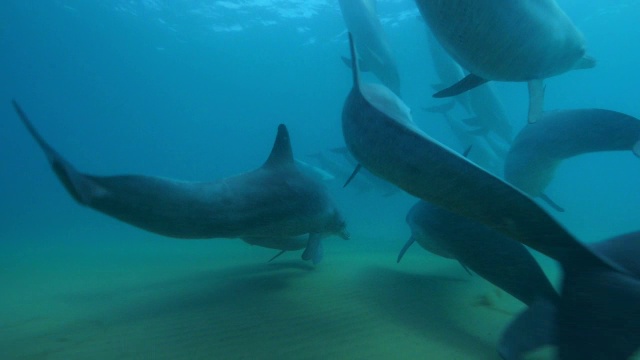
column 502, row 261
column 362, row 21
column 489, row 112
column 506, row 40
column 380, row 133
column 276, row 200
column 540, row 148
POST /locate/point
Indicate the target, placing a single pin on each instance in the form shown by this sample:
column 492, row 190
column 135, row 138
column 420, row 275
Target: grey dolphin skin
column 540, row 148
column 506, row 40
column 380, row 133
column 502, row 261
column 361, row 19
column 274, row 201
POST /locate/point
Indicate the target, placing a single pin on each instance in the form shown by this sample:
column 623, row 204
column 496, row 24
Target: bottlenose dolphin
column 540, row 148
column 502, row 261
column 489, row 112
column 506, row 40
column 380, row 133
column 276, row 200
column 361, row 19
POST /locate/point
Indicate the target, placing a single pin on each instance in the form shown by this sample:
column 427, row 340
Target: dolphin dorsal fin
column 281, row 153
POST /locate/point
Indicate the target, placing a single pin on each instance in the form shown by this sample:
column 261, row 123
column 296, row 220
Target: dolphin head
column 337, row 226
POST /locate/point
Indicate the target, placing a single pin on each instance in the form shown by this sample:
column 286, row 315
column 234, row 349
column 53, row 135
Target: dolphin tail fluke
column 551, row 203
column 76, row 183
column 277, row 255
column 467, row 83
column 404, row 249
column 314, row 250
column 530, row 330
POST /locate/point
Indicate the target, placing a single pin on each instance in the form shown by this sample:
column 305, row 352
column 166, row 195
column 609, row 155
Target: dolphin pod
column 540, row 148
column 275, row 201
column 381, row 135
column 506, row 40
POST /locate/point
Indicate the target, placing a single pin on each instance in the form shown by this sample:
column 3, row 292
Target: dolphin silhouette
column 277, row 200
column 380, row 133
column 506, row 40
column 540, row 148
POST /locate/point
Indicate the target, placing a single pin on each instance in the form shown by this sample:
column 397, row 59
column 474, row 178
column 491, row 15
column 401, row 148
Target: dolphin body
column 540, row 148
column 361, row 19
column 506, row 40
column 276, row 200
column 380, row 133
column 501, row 261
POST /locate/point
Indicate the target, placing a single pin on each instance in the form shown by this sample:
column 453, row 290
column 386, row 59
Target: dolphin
column 500, row 260
column 381, row 135
column 506, row 40
column 540, row 148
column 277, row 200
column 361, row 19
column 382, row 186
column 489, row 112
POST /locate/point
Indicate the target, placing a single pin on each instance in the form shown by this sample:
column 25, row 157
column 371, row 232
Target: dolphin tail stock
column 531, row 329
column 467, row 83
column 314, row 250
column 551, row 203
column 77, row 184
column 404, row 249
column 277, row 255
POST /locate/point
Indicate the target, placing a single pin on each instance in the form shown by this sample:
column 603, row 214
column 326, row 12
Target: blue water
column 195, row 90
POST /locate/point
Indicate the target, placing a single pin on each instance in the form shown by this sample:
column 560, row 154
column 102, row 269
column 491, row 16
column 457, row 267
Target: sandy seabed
column 168, row 299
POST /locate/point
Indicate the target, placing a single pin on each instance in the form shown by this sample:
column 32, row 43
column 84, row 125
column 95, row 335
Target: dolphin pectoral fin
column 353, row 174
column 314, row 250
column 277, row 255
column 466, row 154
column 551, row 203
column 536, row 100
column 531, row 329
column 467, row 83
column 77, row 184
column 636, row 149
column 404, row 249
column 465, row 268
column 586, row 62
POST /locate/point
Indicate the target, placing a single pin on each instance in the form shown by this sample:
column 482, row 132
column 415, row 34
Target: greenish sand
column 155, row 298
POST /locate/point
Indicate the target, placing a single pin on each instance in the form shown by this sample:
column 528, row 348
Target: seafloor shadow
column 427, row 304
